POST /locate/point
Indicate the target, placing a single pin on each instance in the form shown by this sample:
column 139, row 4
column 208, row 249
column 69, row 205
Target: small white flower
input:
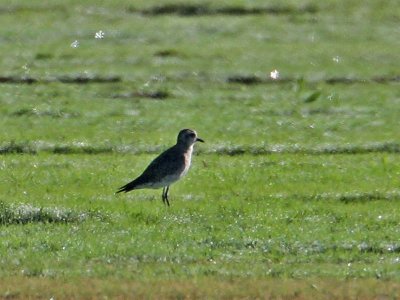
column 75, row 44
column 99, row 34
column 336, row 59
column 274, row 74
column 26, row 68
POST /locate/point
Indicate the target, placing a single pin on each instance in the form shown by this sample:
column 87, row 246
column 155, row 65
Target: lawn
column 293, row 195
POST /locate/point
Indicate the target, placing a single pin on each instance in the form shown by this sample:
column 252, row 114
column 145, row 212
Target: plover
column 168, row 167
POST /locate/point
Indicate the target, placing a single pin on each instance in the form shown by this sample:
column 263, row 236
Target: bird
column 168, row 167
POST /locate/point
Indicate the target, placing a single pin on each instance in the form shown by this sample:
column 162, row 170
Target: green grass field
column 294, row 195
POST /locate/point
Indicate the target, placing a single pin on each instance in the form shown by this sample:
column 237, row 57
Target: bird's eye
column 192, row 135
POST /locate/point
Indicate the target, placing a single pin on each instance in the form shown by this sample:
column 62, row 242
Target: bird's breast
column 188, row 159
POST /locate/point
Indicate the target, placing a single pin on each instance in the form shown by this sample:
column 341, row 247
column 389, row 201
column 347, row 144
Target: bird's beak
column 199, row 140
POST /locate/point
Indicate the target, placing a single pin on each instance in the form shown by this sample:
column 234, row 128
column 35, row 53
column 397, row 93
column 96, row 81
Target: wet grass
column 293, row 195
column 36, row 147
column 26, row 213
column 232, row 217
column 193, row 289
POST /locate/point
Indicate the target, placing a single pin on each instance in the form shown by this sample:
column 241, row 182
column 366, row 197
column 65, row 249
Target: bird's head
column 188, row 137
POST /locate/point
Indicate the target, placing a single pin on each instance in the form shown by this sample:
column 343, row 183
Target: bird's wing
column 167, row 163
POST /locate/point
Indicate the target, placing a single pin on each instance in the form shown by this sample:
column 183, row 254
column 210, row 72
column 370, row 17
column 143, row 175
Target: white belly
column 168, row 180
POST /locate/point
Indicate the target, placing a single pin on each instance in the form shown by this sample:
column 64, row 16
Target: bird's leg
column 163, row 195
column 166, row 195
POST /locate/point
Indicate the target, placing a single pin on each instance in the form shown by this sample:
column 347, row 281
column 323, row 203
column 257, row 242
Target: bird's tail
column 134, row 184
column 127, row 187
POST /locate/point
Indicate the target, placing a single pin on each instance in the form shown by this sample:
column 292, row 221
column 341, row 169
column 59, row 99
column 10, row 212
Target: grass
column 24, row 214
column 294, row 195
column 167, row 289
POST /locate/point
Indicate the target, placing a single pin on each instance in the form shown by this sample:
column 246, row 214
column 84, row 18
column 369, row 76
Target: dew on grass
column 25, row 213
column 132, row 112
column 393, row 248
column 364, row 247
column 75, row 44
